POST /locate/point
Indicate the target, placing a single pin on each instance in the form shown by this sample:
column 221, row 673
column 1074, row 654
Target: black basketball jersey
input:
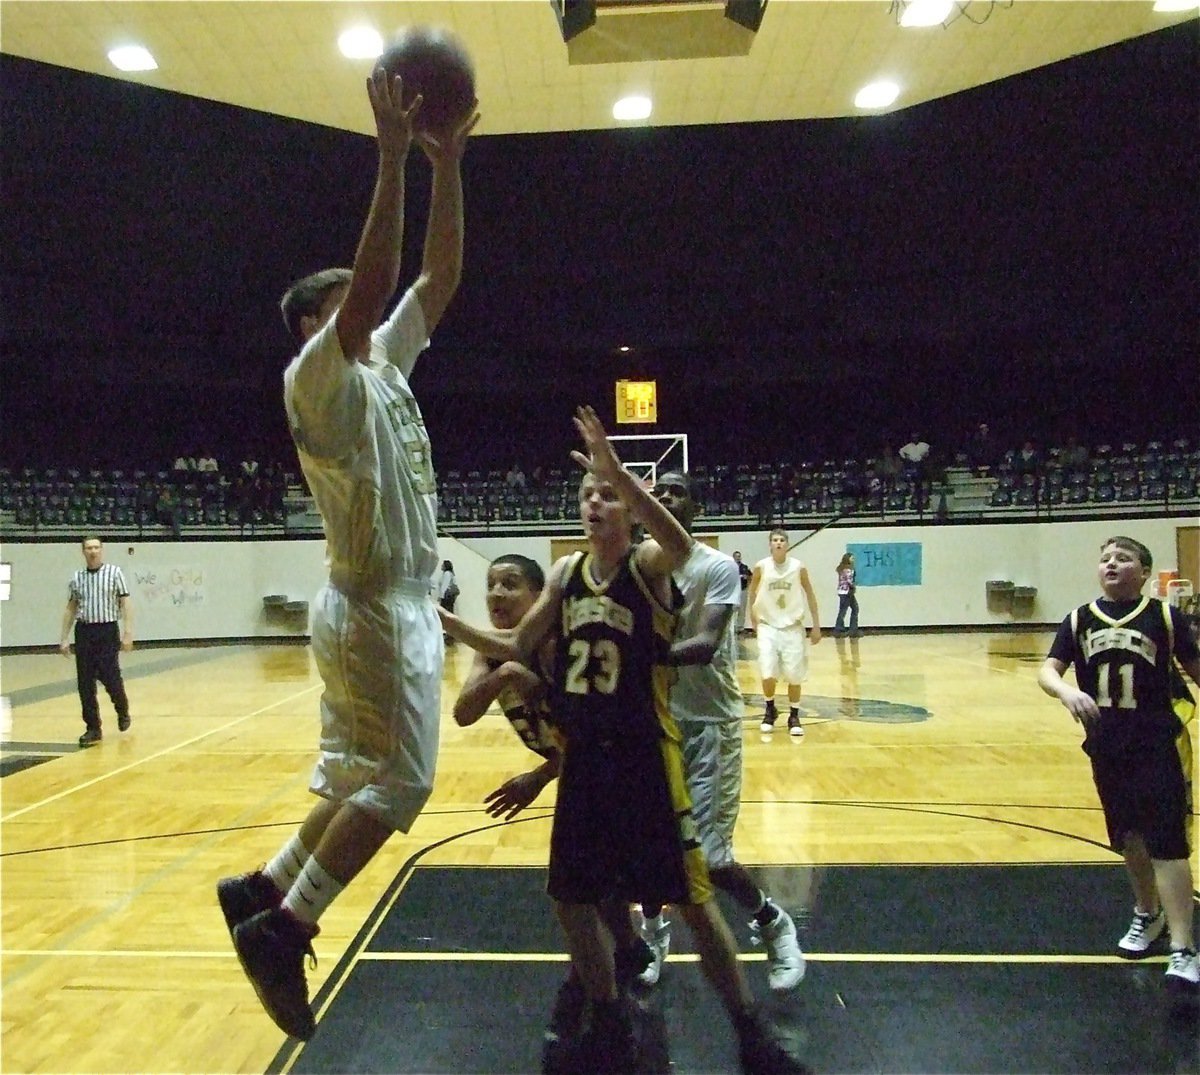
column 1123, row 658
column 530, row 721
column 609, row 682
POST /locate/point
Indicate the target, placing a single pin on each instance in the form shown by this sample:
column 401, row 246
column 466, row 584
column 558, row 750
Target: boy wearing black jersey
column 513, row 585
column 622, row 822
column 1129, row 699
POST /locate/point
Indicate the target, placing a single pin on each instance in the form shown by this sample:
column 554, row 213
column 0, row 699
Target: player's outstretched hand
column 449, row 148
column 601, row 460
column 511, row 797
column 393, row 122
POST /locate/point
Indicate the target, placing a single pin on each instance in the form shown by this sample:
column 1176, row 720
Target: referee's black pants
column 97, row 646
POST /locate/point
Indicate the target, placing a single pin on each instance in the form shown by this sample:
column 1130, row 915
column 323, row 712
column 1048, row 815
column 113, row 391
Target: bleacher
column 1150, row 475
column 137, row 502
column 1126, row 479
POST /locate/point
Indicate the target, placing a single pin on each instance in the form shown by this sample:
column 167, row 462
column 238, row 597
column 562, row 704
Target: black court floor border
column 912, row 969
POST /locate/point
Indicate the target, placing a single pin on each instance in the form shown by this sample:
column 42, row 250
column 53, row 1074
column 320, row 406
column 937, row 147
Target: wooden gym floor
column 935, row 834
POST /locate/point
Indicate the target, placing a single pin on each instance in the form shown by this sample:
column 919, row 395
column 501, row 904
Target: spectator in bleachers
column 184, row 464
column 888, row 467
column 915, row 451
column 1074, row 455
column 982, row 452
column 1028, row 459
column 168, row 510
column 515, row 478
column 207, row 464
column 914, row 459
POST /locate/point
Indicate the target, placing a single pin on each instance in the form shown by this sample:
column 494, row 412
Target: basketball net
column 647, row 455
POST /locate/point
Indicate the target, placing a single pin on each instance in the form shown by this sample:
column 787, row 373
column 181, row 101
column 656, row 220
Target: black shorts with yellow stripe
column 623, row 826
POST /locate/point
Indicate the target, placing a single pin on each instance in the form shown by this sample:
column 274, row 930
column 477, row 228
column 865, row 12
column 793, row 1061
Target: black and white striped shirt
column 97, row 594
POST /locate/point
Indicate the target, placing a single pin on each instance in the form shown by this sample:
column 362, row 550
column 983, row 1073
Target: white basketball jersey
column 708, row 692
column 780, row 601
column 364, row 451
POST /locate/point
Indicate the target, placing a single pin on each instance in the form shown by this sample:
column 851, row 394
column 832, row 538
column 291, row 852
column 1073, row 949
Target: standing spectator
column 97, row 598
column 781, row 595
column 1129, row 697
column 915, row 450
column 744, row 574
column 169, row 510
column 888, row 468
column 364, row 450
column 914, row 458
column 982, row 452
column 447, row 590
column 447, row 586
column 847, row 596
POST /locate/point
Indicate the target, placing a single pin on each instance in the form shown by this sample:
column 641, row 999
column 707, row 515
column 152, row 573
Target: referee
column 96, row 598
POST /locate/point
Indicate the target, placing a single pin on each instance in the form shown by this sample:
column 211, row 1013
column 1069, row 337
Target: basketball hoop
column 654, row 453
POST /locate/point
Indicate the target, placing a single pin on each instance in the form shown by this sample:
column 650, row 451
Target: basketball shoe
column 770, row 716
column 784, row 958
column 1143, row 931
column 245, row 895
column 272, row 946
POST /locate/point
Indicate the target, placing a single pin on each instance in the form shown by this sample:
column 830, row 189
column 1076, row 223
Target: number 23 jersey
column 609, row 681
column 1122, row 653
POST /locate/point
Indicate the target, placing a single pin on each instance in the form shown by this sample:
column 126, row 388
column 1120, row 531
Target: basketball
column 434, row 63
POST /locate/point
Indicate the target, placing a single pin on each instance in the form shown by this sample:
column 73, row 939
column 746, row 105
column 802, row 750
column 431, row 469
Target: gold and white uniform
column 781, row 608
column 376, row 637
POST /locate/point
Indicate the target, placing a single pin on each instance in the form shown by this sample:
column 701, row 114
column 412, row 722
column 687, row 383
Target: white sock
column 313, row 891
column 285, row 867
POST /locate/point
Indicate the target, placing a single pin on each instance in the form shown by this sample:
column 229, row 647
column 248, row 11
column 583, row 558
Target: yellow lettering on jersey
column 1119, row 638
column 578, row 611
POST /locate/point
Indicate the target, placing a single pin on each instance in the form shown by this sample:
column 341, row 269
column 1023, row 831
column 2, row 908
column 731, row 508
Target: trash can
column 1000, row 595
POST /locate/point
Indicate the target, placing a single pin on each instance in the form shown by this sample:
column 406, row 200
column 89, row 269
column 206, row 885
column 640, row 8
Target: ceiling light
column 945, row 12
column 876, row 95
column 360, row 43
column 632, row 108
column 132, row 58
column 1167, row 6
column 926, row 12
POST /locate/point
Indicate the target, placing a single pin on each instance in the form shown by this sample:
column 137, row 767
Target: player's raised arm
column 672, row 543
column 377, row 261
column 441, row 266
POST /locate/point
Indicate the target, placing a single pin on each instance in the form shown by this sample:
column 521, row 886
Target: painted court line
column 560, row 957
column 157, row 754
column 756, row 957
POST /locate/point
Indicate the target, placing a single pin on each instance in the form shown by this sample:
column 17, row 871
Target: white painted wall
column 189, row 590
